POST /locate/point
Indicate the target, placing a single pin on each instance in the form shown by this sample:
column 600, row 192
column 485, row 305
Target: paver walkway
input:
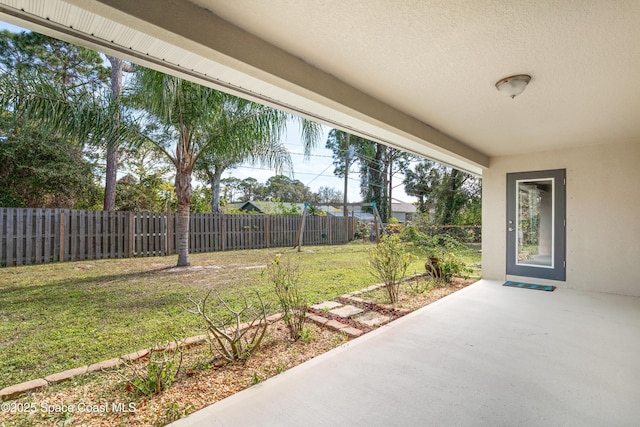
column 352, row 314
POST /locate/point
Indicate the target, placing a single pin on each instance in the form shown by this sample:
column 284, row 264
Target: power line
column 296, row 173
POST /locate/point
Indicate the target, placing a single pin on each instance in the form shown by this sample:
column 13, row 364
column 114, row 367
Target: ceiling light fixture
column 513, row 86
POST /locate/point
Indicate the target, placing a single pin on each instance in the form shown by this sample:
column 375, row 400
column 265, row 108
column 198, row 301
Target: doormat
column 530, row 286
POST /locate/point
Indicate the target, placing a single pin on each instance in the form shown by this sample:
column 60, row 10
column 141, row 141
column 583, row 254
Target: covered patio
column 486, row 355
column 421, row 76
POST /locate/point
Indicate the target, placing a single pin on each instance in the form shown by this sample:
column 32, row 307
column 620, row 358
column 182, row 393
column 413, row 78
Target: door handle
column 511, row 229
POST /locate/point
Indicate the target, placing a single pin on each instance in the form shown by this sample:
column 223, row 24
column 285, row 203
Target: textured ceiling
column 438, row 61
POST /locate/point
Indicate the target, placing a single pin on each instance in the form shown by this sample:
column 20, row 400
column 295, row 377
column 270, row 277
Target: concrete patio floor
column 487, row 355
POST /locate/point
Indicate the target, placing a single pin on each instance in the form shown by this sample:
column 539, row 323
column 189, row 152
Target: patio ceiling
column 416, row 75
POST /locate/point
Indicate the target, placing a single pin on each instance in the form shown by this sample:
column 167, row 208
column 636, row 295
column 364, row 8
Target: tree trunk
column 381, row 181
column 451, row 205
column 214, row 179
column 183, row 194
column 389, row 192
column 184, row 168
column 111, row 174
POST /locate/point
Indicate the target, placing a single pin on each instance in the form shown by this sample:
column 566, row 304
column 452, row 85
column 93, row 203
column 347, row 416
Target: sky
column 317, row 170
column 314, row 172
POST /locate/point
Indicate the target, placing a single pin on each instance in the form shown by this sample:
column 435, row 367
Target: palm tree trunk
column 214, row 179
column 183, row 194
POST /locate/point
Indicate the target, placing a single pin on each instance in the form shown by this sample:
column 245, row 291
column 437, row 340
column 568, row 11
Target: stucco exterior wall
column 603, row 215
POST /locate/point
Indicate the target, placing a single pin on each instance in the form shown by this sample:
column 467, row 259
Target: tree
column 118, row 66
column 284, row 189
column 222, row 156
column 328, row 195
column 395, row 161
column 55, row 60
column 188, row 122
column 42, row 168
column 249, row 187
column 144, row 188
column 371, row 158
column 71, row 66
column 422, row 182
column 448, row 196
column 37, row 172
column 230, row 186
column 183, row 119
column 253, row 138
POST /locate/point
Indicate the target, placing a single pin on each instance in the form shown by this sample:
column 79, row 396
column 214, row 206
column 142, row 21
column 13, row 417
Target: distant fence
column 34, row 236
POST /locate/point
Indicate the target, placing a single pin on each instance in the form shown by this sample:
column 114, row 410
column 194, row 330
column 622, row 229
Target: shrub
column 160, row 371
column 389, row 261
column 285, row 279
column 448, row 264
column 234, row 341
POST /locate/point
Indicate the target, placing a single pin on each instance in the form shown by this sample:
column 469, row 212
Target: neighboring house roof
column 271, row 208
column 403, row 207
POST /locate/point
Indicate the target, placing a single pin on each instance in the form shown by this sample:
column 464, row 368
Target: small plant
column 62, row 418
column 234, row 341
column 307, row 335
column 294, row 307
column 389, row 261
column 280, row 368
column 160, row 371
column 419, row 286
column 173, row 412
column 256, row 379
column 339, row 338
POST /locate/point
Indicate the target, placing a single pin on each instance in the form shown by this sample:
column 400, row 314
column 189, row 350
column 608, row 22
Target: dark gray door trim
column 558, row 272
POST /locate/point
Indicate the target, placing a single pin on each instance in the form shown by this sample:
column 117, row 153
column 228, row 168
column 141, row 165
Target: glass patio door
column 536, row 224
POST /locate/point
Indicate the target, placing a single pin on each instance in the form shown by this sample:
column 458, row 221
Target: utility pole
column 346, row 186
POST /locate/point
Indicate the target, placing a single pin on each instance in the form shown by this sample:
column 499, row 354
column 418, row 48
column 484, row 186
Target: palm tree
column 254, row 138
column 77, row 113
column 189, row 122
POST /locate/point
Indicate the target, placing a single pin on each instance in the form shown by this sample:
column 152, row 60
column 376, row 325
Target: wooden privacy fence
column 34, row 236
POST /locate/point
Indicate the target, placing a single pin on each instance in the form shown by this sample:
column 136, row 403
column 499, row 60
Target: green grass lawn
column 55, row 317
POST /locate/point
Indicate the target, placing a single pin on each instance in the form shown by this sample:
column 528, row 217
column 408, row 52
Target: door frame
column 558, row 269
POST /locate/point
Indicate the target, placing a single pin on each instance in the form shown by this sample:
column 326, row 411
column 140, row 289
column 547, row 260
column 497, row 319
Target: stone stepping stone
column 373, row 319
column 326, row 305
column 346, row 311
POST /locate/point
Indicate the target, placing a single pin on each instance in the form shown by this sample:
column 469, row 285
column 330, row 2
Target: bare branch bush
column 233, row 340
column 388, row 262
column 286, row 279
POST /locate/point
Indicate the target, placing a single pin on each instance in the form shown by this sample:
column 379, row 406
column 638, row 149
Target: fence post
column 61, row 231
column 131, row 232
column 267, row 231
column 223, row 236
column 169, row 231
